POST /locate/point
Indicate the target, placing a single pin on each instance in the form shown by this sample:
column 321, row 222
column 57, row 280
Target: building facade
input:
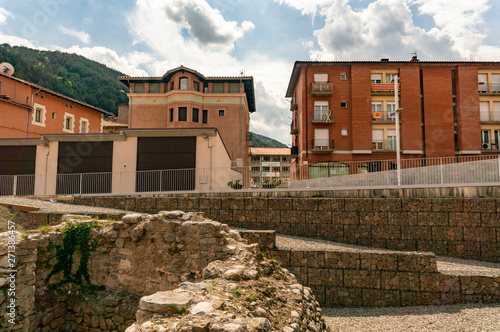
column 29, row 110
column 184, row 98
column 270, row 167
column 345, row 111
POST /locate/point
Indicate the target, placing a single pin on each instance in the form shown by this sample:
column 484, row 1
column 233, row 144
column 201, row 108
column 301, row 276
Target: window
column 138, row 87
column 485, row 136
column 321, row 78
column 275, row 159
column 171, row 115
column 217, row 87
column 195, row 114
column 484, row 111
column 343, row 76
column 69, row 123
column 38, row 115
column 376, row 78
column 343, row 132
column 154, row 87
column 497, row 139
column 285, row 169
column 391, row 139
column 182, row 114
column 266, row 158
column 321, row 139
column 377, row 111
column 196, row 86
column 285, row 159
column 391, row 111
column 496, row 111
column 53, row 115
column 84, row 125
column 266, row 169
column 183, row 83
column 495, row 83
column 255, row 159
column 221, row 112
column 377, row 139
column 343, row 104
column 321, row 110
column 205, row 88
column 389, row 78
column 234, row 87
column 205, row 116
column 255, row 169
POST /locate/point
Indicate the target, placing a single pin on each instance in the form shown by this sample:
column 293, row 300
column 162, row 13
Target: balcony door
column 483, row 83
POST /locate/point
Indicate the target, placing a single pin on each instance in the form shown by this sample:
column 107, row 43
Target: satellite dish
column 6, row 69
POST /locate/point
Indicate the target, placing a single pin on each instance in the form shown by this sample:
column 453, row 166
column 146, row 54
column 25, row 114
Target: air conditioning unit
column 486, row 146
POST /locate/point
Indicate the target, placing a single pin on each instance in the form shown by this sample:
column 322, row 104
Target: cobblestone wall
column 458, row 227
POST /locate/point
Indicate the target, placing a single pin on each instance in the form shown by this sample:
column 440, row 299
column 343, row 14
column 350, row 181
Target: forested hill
column 260, row 141
column 69, row 74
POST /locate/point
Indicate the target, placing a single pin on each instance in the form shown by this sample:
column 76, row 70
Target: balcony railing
column 383, row 116
column 490, row 88
column 493, row 146
column 322, row 145
column 490, row 117
column 321, row 116
column 321, row 88
column 385, row 145
column 293, row 129
column 293, row 105
column 384, row 88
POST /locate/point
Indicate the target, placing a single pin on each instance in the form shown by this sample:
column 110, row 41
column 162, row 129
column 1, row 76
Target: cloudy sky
column 261, row 37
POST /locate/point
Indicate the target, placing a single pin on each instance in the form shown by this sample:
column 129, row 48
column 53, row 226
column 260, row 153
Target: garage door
column 84, row 167
column 166, row 163
column 20, row 161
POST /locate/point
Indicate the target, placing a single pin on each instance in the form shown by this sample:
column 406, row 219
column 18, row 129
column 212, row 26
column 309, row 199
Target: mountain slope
column 261, row 141
column 68, row 74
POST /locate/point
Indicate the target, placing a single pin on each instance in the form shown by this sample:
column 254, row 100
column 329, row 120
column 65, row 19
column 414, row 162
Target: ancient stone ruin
column 172, row 271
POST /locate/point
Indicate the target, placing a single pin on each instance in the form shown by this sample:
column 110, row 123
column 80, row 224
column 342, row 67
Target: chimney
column 384, row 60
column 414, row 58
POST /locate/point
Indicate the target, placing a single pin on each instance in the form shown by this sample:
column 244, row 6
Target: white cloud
column 128, row 65
column 83, row 36
column 4, row 14
column 385, row 28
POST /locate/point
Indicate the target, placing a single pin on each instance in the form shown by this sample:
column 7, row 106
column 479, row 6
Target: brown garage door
column 20, row 161
column 84, row 167
column 166, row 163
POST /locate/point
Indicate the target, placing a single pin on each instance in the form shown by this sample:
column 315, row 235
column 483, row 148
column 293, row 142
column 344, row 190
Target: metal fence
column 453, row 171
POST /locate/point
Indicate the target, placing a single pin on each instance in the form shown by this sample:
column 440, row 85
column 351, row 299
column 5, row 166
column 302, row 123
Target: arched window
column 183, row 83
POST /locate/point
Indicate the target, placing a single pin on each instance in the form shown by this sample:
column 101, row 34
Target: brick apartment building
column 184, row 98
column 28, row 110
column 344, row 111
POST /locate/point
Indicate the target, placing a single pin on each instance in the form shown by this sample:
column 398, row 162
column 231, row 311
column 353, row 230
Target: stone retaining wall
column 378, row 278
column 458, row 227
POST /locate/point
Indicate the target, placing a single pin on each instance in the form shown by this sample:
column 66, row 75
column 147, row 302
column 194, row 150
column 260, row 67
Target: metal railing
column 322, row 145
column 321, row 88
column 493, row 88
column 490, row 117
column 452, row 171
column 322, row 116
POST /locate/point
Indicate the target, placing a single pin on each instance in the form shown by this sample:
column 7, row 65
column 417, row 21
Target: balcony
column 384, row 88
column 322, row 145
column 489, row 88
column 321, row 116
column 321, row 88
column 388, row 145
column 249, row 136
column 294, row 151
column 388, row 116
column 293, row 129
column 491, row 147
column 293, row 105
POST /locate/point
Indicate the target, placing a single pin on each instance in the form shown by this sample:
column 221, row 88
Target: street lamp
column 397, row 111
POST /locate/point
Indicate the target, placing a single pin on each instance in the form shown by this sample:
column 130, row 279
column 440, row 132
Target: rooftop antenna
column 6, row 69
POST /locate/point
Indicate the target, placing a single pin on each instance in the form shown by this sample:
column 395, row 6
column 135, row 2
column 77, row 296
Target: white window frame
column 377, row 139
column 389, row 78
column 377, row 106
column 484, row 111
column 87, row 124
column 391, row 108
column 391, row 139
column 72, row 117
column 343, row 76
column 376, row 78
column 320, row 140
column 321, row 110
column 43, row 115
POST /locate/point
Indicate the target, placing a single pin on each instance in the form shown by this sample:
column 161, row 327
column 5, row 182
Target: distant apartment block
column 28, row 110
column 270, row 167
column 184, row 98
column 344, row 111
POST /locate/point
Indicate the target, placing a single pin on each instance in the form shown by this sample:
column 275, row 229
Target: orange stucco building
column 345, row 111
column 28, row 110
column 184, row 98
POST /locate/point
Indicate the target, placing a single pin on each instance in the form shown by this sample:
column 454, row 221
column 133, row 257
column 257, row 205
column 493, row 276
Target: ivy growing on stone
column 77, row 238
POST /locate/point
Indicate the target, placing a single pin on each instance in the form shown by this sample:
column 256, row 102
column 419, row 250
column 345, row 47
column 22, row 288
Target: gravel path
column 446, row 318
column 54, row 207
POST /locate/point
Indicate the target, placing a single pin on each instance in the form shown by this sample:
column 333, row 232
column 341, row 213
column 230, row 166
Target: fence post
column 441, row 168
column 81, row 181
column 14, row 189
